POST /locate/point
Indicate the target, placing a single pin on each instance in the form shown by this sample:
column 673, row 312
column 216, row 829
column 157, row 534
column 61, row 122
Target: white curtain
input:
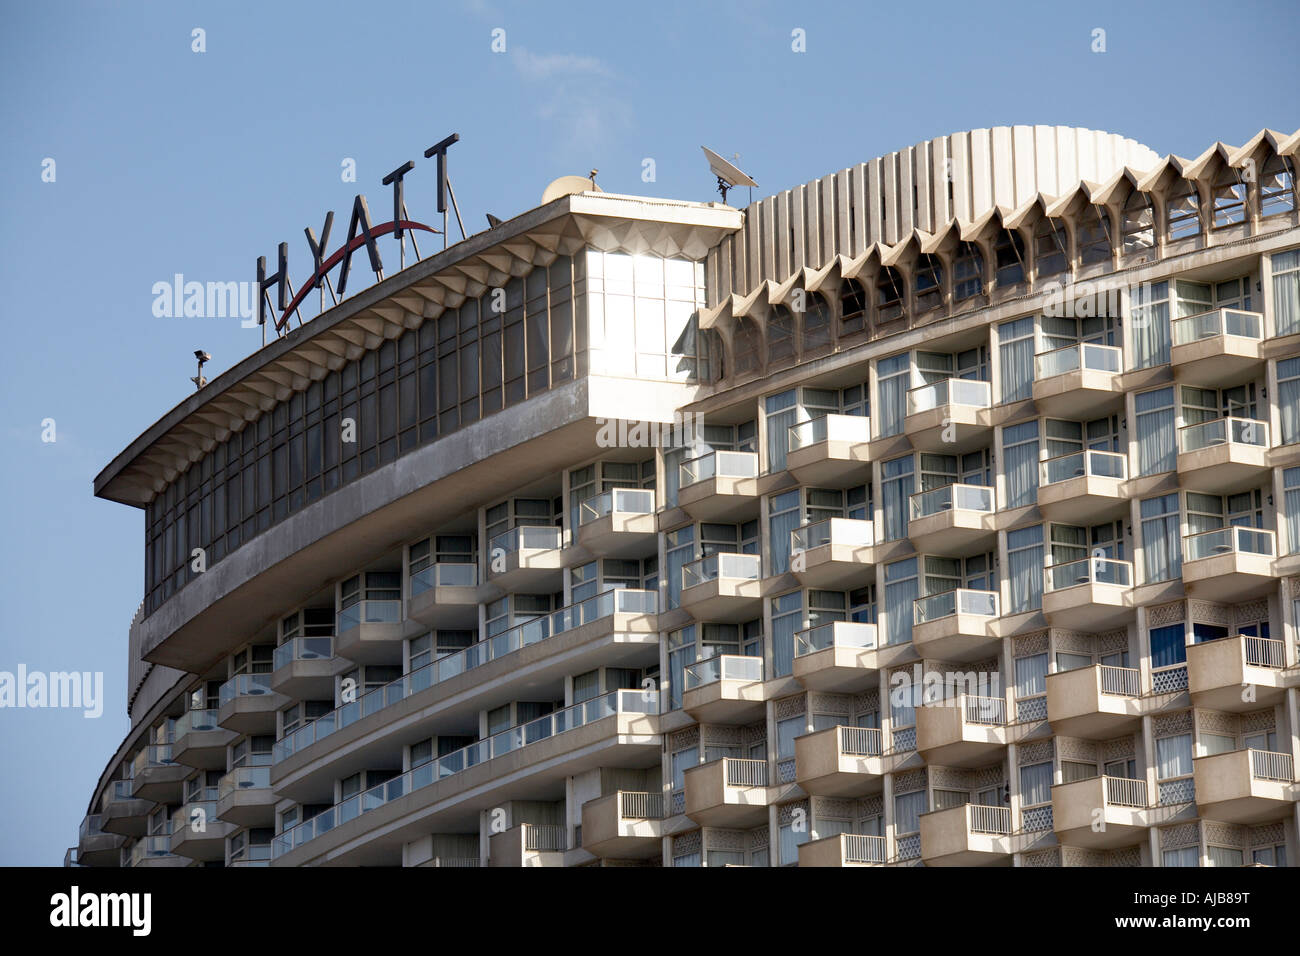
column 1036, row 784
column 1151, row 334
column 1031, row 676
column 1291, row 505
column 1224, row 856
column 908, row 808
column 1016, row 359
column 790, row 841
column 1162, row 554
column 891, row 404
column 1173, row 756
column 899, row 599
column 1157, row 448
column 1025, row 558
column 1020, row 462
column 1286, row 293
column 899, row 483
column 1187, row 856
column 1288, row 399
column 778, row 438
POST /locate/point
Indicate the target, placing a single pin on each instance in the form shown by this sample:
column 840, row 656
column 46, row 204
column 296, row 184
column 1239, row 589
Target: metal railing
column 368, row 612
column 932, row 607
column 1234, row 539
column 739, row 772
column 1120, row 681
column 1265, row 652
column 984, row 710
column 1096, row 464
column 1126, row 791
column 245, row 685
column 862, row 848
column 443, row 575
column 843, row 428
column 1096, row 358
column 303, row 649
column 852, row 532
column 834, row 634
column 1267, row 765
column 718, row 464
column 1206, row 325
column 861, row 741
column 955, row 497
column 1058, row 577
column 949, row 391
column 637, row 501
column 640, row 805
column 722, row 667
column 740, row 567
column 1221, row 431
column 544, row 837
column 984, row 819
column 603, row 605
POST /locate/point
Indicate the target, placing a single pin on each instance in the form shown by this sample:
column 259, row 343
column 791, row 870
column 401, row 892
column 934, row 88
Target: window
column 1269, row 855
column 1186, row 856
column 1051, row 255
column 1009, row 257
column 853, row 307
column 908, row 808
column 780, row 335
column 1094, row 236
column 897, row 485
column 746, row 341
column 889, row 295
column 787, row 618
column 968, row 273
column 1184, row 211
column 1149, row 308
column 1174, row 768
column 782, row 412
column 1025, row 568
column 893, row 376
column 1016, row 357
column 1031, row 676
column 1291, row 508
column 1277, row 187
column 1138, row 229
column 1157, row 447
column 1168, row 647
column 1020, row 462
column 928, row 287
column 1286, row 292
column 784, row 514
column 816, row 331
column 1036, row 784
column 1229, row 199
column 902, row 588
column 1162, row 553
column 680, row 552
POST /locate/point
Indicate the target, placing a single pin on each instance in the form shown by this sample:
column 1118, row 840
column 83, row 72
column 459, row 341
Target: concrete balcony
column 953, row 519
column 1217, row 348
column 723, row 587
column 1224, row 455
column 444, row 595
column 305, row 668
column 836, row 657
column 843, row 849
column 962, row 731
column 245, row 798
column 249, row 705
column 197, row 834
column 845, row 761
column 727, row 793
column 1083, row 488
column 956, row 625
column 726, row 689
column 1230, row 564
column 1101, row 812
column 834, row 553
column 625, row 825
column 201, row 741
column 370, row 632
column 620, row 523
column 1245, row 786
column 720, row 486
column 528, row 844
column 1079, row 381
column 156, row 776
column 967, row 835
column 1097, row 703
column 1218, row 671
column 952, row 415
column 153, row 852
column 95, row 846
column 1089, row 595
column 829, row 450
column 122, row 812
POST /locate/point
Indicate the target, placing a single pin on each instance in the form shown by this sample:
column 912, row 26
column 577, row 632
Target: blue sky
column 171, row 161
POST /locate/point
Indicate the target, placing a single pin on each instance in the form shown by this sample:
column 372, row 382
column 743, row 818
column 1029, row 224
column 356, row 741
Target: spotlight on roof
column 203, row 357
column 728, row 174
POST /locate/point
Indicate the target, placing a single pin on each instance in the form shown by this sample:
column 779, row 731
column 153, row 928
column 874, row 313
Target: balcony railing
column 1219, row 431
column 834, row 634
column 1169, row 680
column 444, row 575
column 932, row 607
column 1234, row 539
column 184, row 816
column 1058, row 577
column 1265, row 652
column 193, row 721
column 722, row 667
column 244, row 778
column 540, row 537
column 984, row 710
column 742, row 567
column 303, row 649
column 91, row 825
column 852, row 532
column 1096, row 358
column 842, row 428
column 369, row 612
column 996, row 820
column 154, row 755
column 638, row 805
column 1099, row 464
column 1126, row 792
column 605, row 604
column 956, row 497
column 1120, row 681
column 862, row 848
column 949, row 391
column 635, row 501
column 1207, row 325
column 718, row 464
column 545, row 837
column 245, row 685
column 121, row 789
column 1267, row 765
column 861, row 741
column 738, row 772
column 507, row 741
column 150, row 848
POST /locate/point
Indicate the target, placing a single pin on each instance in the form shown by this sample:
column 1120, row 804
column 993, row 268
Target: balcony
column 843, row 849
column 829, row 450
column 967, row 835
column 156, row 776
column 620, row 523
column 249, row 705
column 1217, row 348
column 719, row 486
column 835, row 657
column 1218, row 670
column 1245, row 786
column 95, row 846
column 245, row 798
column 952, row 519
column 1097, row 703
column 730, row 792
column 444, row 595
column 197, row 834
column 1101, row 813
column 305, row 668
column 626, row 825
column 1079, row 381
column 962, row 731
column 369, row 632
column 726, row 689
column 527, row 558
column 1083, row 488
column 723, row 587
column 1223, row 455
column 956, row 625
column 152, row 852
column 832, row 553
column 1230, row 564
column 951, row 415
column 122, row 812
column 1088, row 595
column 201, row 741
column 844, row 761
column 528, row 844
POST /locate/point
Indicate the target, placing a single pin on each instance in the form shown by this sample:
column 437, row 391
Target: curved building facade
column 905, row 517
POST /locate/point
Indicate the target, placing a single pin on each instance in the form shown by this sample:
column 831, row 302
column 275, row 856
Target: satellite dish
column 567, row 186
column 728, row 174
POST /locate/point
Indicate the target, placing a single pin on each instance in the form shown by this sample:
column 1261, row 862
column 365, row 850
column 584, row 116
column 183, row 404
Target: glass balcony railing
column 91, row 825
column 121, row 789
column 605, row 604
column 245, row 778
column 1221, row 431
column 718, row 464
column 150, row 848
column 1099, row 464
column 932, row 607
column 834, row 634
column 1207, row 325
column 1057, row 577
column 194, row 813
column 444, row 575
column 637, row 501
column 542, row 537
column 1072, row 358
column 843, row 428
column 744, row 567
column 303, row 649
column 369, row 612
column 194, row 721
column 949, row 391
column 952, row 497
column 152, row 756
column 1238, row 539
column 507, row 741
column 722, row 667
column 851, row 532
column 245, row 685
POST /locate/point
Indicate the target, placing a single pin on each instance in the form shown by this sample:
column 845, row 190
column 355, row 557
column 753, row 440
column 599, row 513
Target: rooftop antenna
column 198, row 380
column 728, row 174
